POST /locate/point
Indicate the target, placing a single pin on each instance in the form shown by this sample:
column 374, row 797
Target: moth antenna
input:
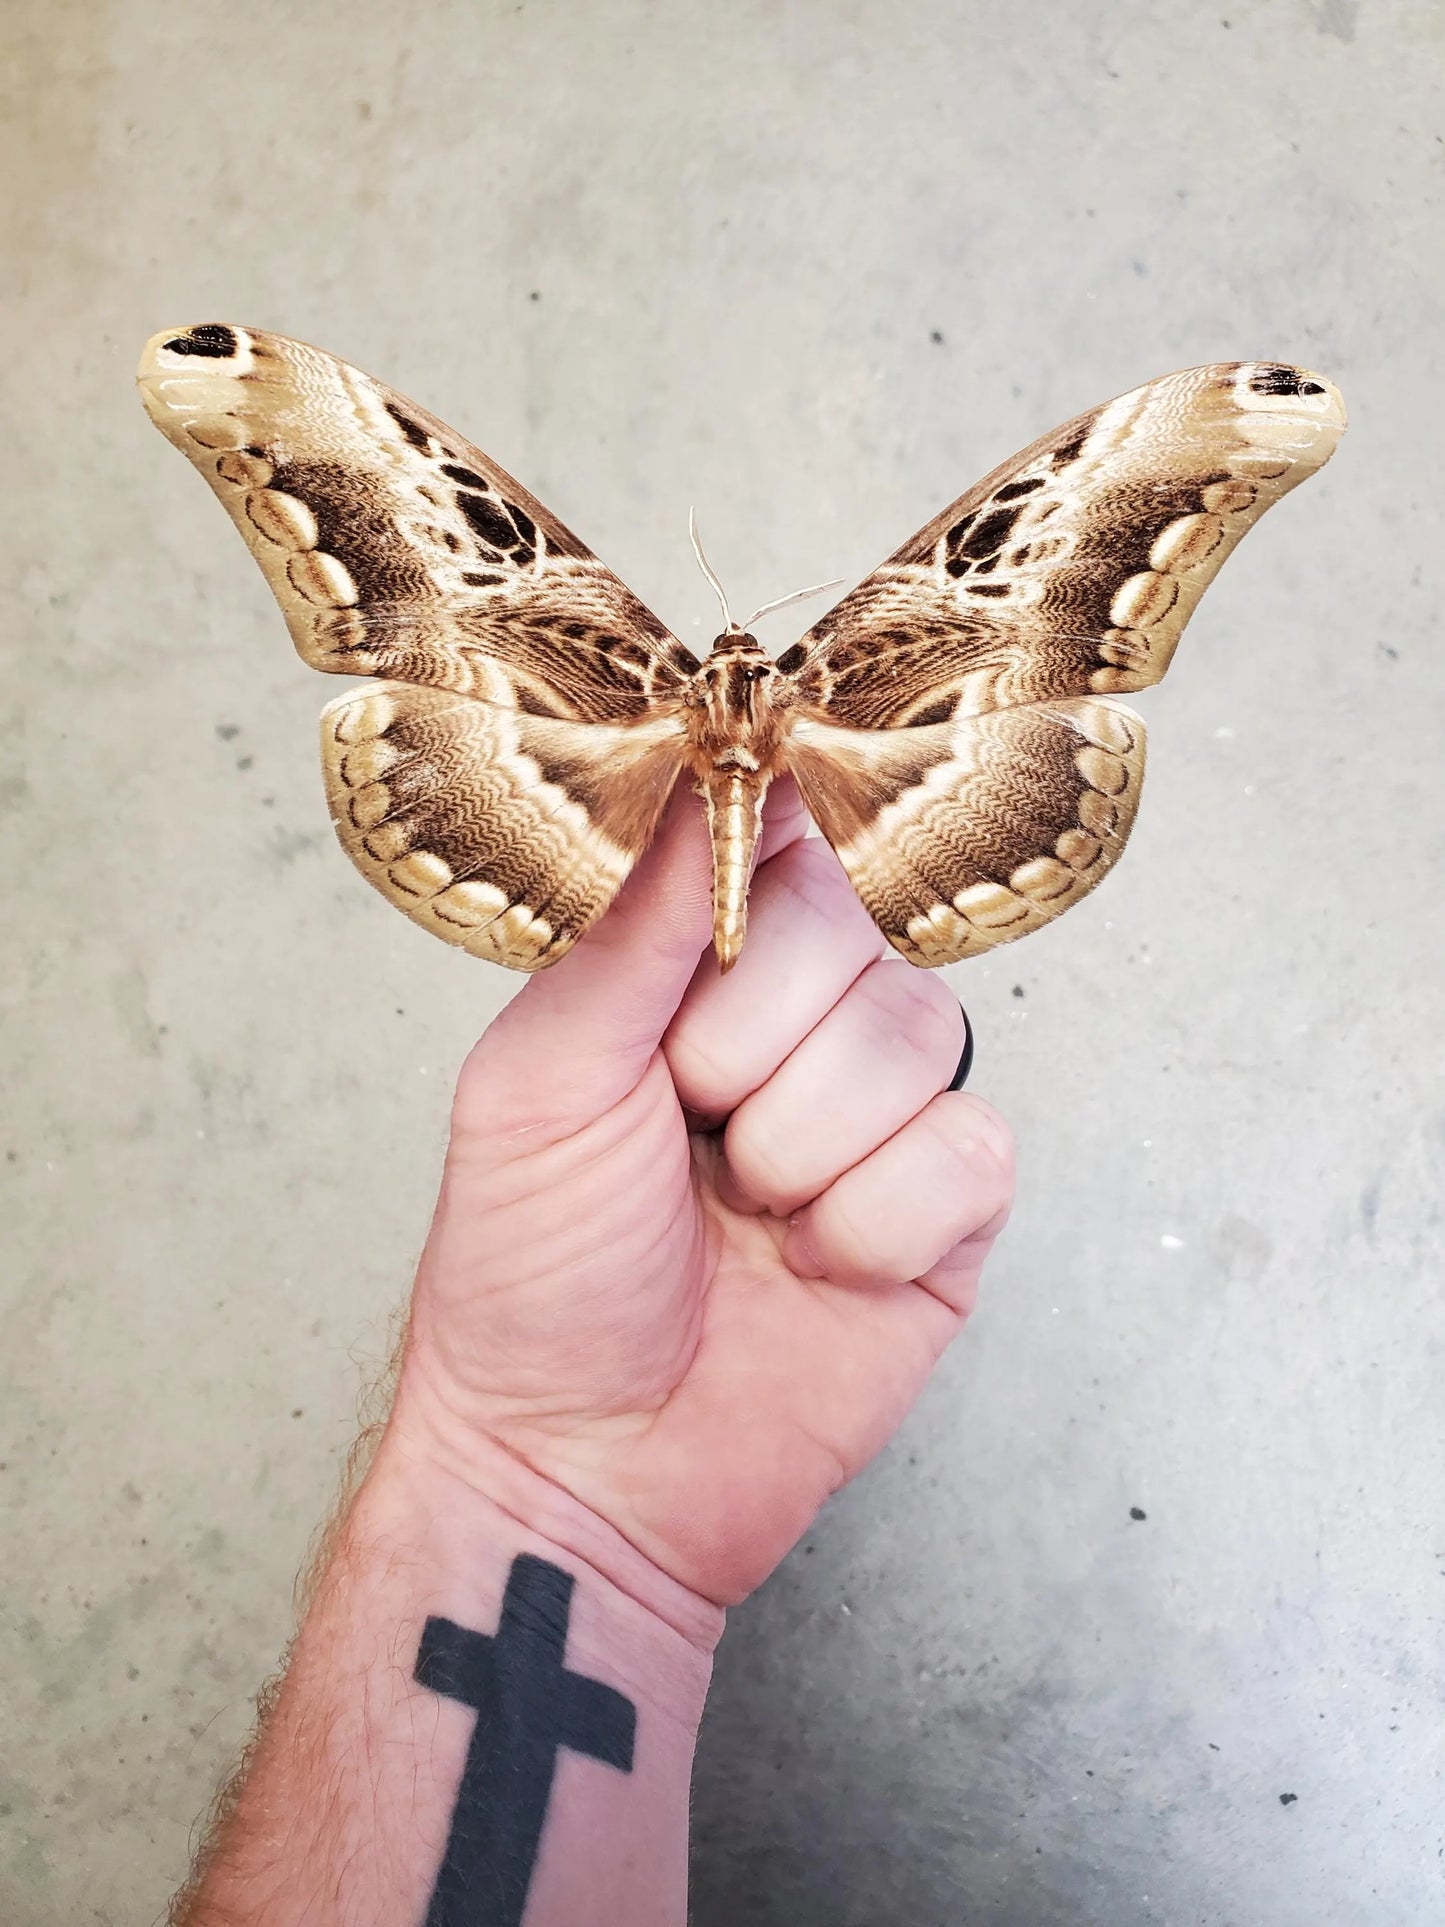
column 798, row 595
column 707, row 569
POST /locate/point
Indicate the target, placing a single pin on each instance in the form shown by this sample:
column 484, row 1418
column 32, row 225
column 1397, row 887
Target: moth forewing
column 1063, row 578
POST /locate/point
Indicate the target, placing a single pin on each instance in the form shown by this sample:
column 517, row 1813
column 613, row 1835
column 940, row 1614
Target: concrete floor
column 813, row 267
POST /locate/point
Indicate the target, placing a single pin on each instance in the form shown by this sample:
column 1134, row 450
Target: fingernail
column 965, row 1063
column 798, row 1255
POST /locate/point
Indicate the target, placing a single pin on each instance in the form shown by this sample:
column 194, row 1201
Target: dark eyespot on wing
column 212, row 339
column 413, row 430
column 1069, row 450
column 468, row 477
column 1015, row 491
column 489, row 518
column 939, row 712
column 1282, row 380
column 974, row 543
column 988, row 536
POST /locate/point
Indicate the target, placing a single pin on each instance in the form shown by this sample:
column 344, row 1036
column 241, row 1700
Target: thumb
column 579, row 1036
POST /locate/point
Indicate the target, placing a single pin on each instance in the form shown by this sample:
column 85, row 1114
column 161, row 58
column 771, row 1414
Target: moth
column 953, row 723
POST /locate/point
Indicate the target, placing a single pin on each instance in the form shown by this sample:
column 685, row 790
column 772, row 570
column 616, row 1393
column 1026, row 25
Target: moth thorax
column 736, row 726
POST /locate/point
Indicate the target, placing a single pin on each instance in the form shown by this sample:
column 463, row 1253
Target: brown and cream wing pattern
column 952, row 730
column 501, row 781
column 952, row 723
column 962, row 835
column 1072, row 569
column 505, row 832
column 393, row 546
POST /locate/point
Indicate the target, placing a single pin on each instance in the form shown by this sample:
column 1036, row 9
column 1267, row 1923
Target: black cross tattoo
column 527, row 1705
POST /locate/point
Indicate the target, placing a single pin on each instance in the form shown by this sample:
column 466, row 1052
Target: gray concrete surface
column 813, row 267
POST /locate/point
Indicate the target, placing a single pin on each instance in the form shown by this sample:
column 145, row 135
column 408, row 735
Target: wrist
column 464, row 1507
column 479, row 1654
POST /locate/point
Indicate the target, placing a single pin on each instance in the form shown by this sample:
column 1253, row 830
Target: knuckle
column 918, row 1012
column 975, row 1135
column 851, row 1236
column 758, row 1159
column 707, row 1079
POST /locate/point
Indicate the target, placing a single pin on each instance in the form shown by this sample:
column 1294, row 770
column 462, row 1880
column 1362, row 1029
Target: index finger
column 809, row 937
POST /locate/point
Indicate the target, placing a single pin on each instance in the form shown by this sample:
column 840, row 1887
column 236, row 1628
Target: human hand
column 700, row 1333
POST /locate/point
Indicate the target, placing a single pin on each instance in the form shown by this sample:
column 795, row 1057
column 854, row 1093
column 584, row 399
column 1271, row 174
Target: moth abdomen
column 734, row 802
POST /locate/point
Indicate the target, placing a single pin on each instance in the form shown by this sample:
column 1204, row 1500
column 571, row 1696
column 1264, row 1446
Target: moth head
column 738, row 664
column 736, row 632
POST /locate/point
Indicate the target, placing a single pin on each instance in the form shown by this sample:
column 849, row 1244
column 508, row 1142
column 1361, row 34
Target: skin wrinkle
column 537, row 1411
column 574, row 1552
column 911, row 1026
column 765, row 1153
column 584, row 1150
column 569, row 1284
column 966, row 1259
column 704, row 1373
column 559, row 1419
column 516, row 1183
column 841, row 1231
column 476, row 1093
column 551, row 1247
column 848, row 1248
column 913, row 1009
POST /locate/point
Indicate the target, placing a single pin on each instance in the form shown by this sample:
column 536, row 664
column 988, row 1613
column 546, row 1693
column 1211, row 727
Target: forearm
column 376, row 1796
